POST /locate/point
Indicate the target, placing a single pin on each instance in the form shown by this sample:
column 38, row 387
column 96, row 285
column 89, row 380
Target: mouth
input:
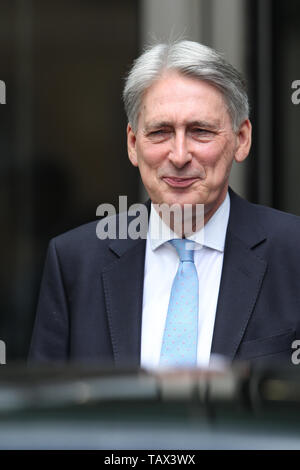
column 179, row 182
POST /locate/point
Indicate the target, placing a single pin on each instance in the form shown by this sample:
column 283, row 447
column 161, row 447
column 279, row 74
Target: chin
column 181, row 201
column 190, row 198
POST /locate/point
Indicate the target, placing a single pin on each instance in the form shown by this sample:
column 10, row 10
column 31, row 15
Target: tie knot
column 184, row 248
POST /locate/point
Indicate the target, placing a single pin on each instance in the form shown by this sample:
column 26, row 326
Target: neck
column 187, row 220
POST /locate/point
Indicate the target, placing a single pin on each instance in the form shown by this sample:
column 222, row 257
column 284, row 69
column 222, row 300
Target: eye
column 160, row 131
column 198, row 130
column 201, row 133
column 159, row 134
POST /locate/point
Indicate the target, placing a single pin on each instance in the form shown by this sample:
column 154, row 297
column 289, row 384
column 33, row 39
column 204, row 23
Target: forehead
column 176, row 97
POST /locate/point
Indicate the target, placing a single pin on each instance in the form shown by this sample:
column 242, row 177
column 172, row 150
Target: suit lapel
column 241, row 281
column 123, row 288
column 242, row 277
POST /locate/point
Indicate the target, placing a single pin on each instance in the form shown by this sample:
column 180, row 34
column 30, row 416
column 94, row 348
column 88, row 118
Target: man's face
column 184, row 144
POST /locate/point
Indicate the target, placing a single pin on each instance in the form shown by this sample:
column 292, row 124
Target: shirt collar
column 212, row 235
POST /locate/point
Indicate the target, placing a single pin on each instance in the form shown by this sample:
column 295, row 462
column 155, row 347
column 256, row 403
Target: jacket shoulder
column 277, row 220
column 82, row 233
column 81, row 241
column 267, row 217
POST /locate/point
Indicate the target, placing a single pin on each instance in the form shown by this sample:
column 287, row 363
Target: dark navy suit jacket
column 90, row 304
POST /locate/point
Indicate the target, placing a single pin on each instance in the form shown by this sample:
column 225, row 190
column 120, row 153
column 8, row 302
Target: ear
column 243, row 141
column 131, row 145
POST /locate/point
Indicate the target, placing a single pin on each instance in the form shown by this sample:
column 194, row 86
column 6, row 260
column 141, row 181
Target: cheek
column 208, row 154
column 213, row 153
column 150, row 155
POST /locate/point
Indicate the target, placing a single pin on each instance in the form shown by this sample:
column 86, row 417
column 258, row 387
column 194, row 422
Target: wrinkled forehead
column 176, row 97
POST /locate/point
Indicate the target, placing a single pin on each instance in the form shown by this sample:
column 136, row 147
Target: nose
column 179, row 154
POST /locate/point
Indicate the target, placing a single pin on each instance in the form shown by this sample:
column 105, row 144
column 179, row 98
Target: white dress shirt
column 161, row 264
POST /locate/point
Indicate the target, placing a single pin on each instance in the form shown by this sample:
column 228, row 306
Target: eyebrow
column 212, row 125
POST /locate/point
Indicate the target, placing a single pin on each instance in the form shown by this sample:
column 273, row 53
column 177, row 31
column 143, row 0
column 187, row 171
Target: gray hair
column 191, row 59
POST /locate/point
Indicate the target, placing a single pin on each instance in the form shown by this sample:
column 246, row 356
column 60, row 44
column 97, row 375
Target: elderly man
column 230, row 288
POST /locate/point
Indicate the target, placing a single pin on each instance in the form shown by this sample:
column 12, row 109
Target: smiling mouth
column 179, row 182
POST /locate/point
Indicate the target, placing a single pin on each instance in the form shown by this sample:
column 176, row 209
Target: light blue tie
column 179, row 346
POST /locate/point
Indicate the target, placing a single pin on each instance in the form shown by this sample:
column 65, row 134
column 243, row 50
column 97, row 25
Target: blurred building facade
column 62, row 133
